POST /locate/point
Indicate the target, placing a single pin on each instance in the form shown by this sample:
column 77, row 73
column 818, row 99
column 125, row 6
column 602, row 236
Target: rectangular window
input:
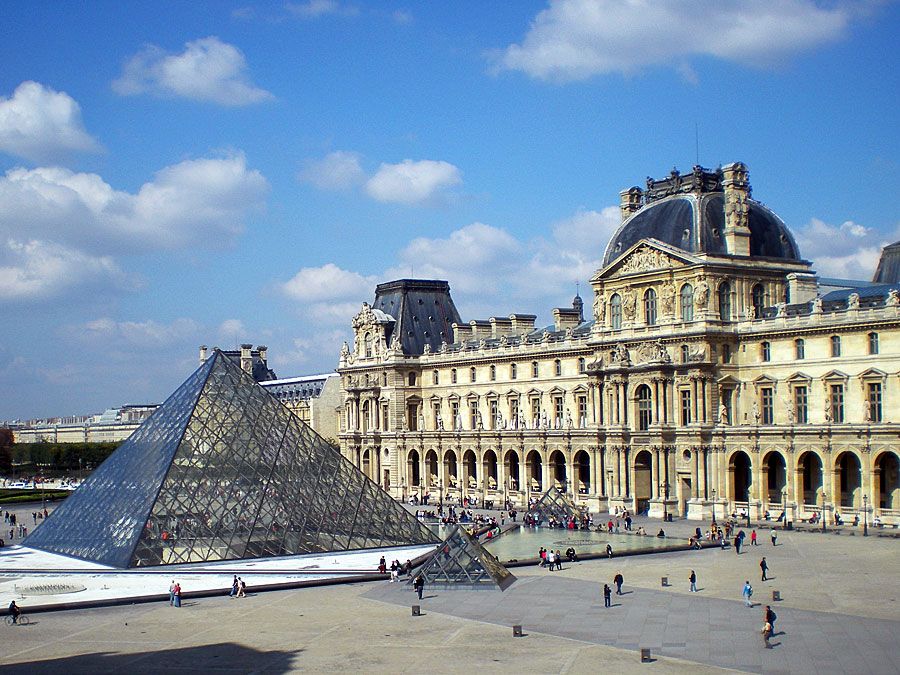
column 454, row 414
column 534, row 368
column 801, row 404
column 514, row 412
column 493, row 372
column 436, row 412
column 837, row 403
column 557, row 367
column 768, row 405
column 492, row 424
column 535, row 412
column 685, row 407
column 558, row 411
column 435, row 378
column 582, row 410
column 874, row 402
column 473, row 414
column 835, row 345
column 581, row 365
column 765, row 351
column 726, row 353
column 800, row 349
column 472, row 374
column 453, row 376
column 412, row 417
column 873, row 343
column 513, row 371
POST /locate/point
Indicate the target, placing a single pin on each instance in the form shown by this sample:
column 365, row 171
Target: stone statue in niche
column 853, row 301
column 817, row 305
column 568, row 419
column 755, row 412
column 791, row 413
column 723, row 415
column 599, row 308
column 668, row 298
column 701, row 294
column 629, row 304
column 440, row 422
column 827, row 410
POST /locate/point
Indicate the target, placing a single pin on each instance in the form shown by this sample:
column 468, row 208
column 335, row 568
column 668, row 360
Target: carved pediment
column 648, row 255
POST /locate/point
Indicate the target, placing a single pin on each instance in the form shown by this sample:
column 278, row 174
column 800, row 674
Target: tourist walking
column 753, row 541
column 764, row 566
column 747, row 593
column 242, row 588
column 618, row 580
column 767, row 633
column 607, row 596
column 770, row 618
column 557, row 558
column 234, row 587
column 693, row 579
column 609, row 551
column 774, row 537
column 419, row 585
column 172, row 593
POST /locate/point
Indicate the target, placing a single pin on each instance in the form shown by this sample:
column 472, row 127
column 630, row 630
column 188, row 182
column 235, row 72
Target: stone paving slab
column 711, row 631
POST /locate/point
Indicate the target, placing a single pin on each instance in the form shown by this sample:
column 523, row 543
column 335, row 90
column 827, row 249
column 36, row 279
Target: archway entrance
column 775, row 470
column 558, row 470
column 489, row 469
column 413, row 474
column 741, row 478
column 431, row 464
column 470, row 470
column 535, row 471
column 887, row 477
column 849, row 481
column 451, row 471
column 512, row 470
column 582, row 473
column 643, row 481
column 810, row 469
column 366, row 463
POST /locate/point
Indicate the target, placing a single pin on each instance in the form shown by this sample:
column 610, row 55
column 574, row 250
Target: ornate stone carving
column 893, row 298
column 723, row 415
column 653, row 352
column 701, row 295
column 817, row 306
column 599, row 308
column 853, row 301
column 696, row 354
column 668, row 298
column 618, row 356
column 645, row 259
column 629, row 304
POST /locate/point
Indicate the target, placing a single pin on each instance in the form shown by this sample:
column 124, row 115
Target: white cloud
column 577, row 39
column 338, row 170
column 313, row 9
column 144, row 334
column 36, row 270
column 412, row 182
column 846, row 251
column 232, row 329
column 202, row 202
column 328, row 282
column 207, row 70
column 38, row 123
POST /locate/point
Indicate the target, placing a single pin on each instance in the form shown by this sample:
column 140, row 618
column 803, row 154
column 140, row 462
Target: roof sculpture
column 223, row 471
column 461, row 561
column 556, row 506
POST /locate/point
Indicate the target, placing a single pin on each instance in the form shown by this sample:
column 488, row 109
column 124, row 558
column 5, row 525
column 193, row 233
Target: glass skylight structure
column 223, row 471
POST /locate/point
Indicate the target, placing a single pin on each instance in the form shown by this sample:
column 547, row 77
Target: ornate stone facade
column 706, row 381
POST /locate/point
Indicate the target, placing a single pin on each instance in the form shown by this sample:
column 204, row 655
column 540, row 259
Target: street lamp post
column 714, row 507
column 824, row 518
column 664, row 489
column 784, row 507
column 865, row 515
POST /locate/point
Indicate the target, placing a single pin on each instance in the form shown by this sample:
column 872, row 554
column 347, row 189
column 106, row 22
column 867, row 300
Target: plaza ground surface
column 840, row 613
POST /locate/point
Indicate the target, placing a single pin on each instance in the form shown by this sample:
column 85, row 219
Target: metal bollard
column 776, row 596
column 665, row 581
column 645, row 655
column 517, row 631
column 416, row 610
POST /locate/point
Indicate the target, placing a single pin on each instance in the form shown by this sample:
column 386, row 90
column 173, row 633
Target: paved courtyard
column 839, row 614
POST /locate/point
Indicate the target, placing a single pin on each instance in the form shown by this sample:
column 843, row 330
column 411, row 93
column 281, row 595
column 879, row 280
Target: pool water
column 523, row 543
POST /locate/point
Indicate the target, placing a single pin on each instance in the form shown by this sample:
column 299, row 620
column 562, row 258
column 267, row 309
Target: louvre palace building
column 712, row 371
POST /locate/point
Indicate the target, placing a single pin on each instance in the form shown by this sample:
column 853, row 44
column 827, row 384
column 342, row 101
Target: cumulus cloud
column 338, row 170
column 313, row 9
column 846, row 251
column 576, row 39
column 196, row 202
column 35, row 270
column 412, row 182
column 38, row 123
column 232, row 329
column 207, row 70
column 144, row 334
column 328, row 282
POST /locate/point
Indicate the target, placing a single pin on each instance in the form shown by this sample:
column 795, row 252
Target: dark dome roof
column 696, row 223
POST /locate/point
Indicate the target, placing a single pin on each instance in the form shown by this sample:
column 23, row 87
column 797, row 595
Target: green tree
column 6, row 442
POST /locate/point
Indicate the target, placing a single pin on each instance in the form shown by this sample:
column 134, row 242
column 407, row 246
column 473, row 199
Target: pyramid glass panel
column 223, row 471
column 556, row 509
column 461, row 561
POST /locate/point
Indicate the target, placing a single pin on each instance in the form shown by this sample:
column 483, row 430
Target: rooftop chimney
column 736, row 184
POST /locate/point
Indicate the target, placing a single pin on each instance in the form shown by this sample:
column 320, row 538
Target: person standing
column 172, row 593
column 737, row 545
column 747, row 593
column 693, row 579
column 774, row 537
column 753, row 541
column 618, row 580
column 234, row 587
column 609, row 551
column 557, row 558
column 607, row 596
column 764, row 566
column 767, row 633
column 419, row 585
column 176, row 595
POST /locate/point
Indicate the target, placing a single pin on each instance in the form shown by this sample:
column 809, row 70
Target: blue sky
column 174, row 174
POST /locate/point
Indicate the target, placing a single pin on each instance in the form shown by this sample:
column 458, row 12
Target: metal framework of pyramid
column 555, row 505
column 461, row 561
column 223, row 471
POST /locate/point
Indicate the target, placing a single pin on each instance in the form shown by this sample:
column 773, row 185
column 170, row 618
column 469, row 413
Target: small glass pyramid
column 223, row 471
column 461, row 561
column 555, row 508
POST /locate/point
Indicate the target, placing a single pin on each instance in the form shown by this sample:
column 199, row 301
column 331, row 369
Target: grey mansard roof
column 696, row 223
column 422, row 310
column 888, row 271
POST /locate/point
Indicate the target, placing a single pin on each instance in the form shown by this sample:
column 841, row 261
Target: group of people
column 618, row 580
column 238, row 588
column 550, row 559
column 174, row 594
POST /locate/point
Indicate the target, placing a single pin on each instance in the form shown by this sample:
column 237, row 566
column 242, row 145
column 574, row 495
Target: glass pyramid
column 461, row 561
column 223, row 471
column 556, row 509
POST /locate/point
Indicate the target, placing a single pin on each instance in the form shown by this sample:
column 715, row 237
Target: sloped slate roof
column 423, row 311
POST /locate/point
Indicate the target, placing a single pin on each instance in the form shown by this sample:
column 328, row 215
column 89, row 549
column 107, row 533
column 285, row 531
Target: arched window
column 687, row 303
column 453, row 375
column 615, row 312
column 472, row 374
column 534, row 368
column 685, row 353
column 645, row 407
column 367, row 340
column 513, row 371
column 581, row 365
column 725, row 301
column 758, row 299
column 650, row 307
column 384, row 379
column 435, row 377
column 557, row 367
column 493, row 373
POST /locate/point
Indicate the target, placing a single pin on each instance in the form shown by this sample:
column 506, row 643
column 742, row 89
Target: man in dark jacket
column 618, row 580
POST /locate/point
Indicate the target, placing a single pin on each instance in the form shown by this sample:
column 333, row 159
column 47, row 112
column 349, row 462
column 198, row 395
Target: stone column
column 654, row 474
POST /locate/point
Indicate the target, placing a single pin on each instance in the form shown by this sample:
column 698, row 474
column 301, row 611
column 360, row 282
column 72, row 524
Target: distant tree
column 6, row 442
